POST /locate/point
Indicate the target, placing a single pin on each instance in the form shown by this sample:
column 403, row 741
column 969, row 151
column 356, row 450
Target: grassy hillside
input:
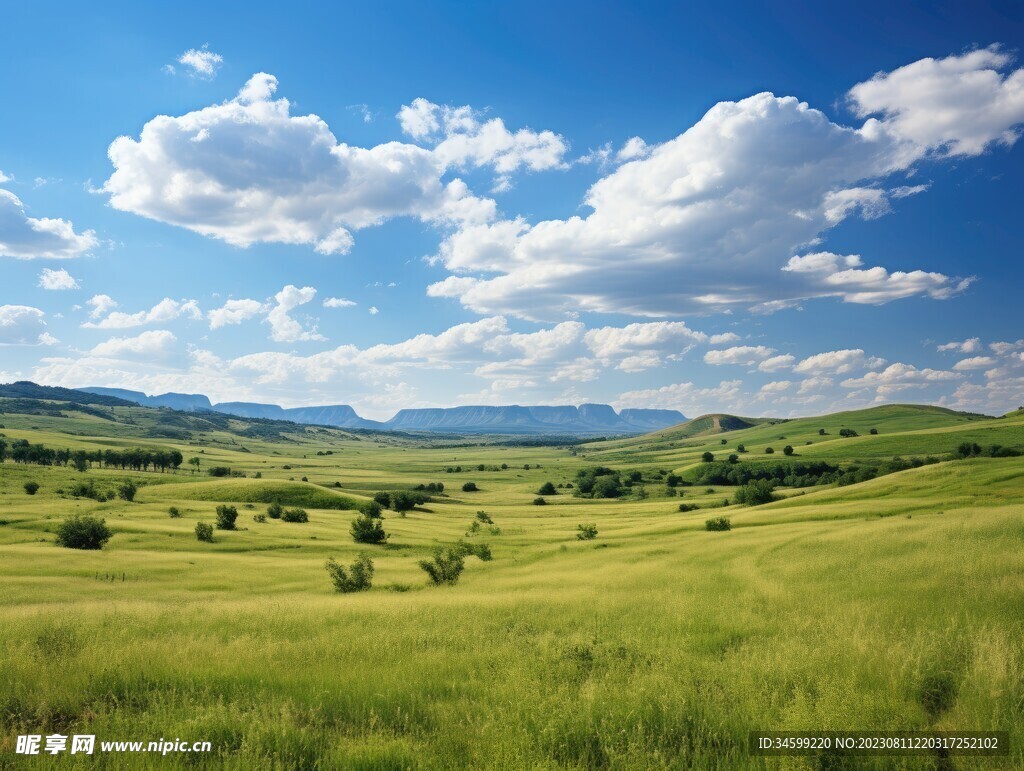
column 657, row 644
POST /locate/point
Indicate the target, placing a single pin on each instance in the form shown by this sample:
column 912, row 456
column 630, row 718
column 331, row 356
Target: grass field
column 897, row 603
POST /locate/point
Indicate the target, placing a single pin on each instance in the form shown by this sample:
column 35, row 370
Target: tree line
column 136, row 458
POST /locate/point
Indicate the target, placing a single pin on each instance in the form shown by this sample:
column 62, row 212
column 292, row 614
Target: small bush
column 787, row 450
column 83, row 532
column 756, row 492
column 847, row 432
column 174, row 512
column 539, row 502
column 366, row 529
column 718, row 524
column 382, row 499
column 873, row 432
column 684, row 507
column 226, row 516
column 220, row 471
column 707, row 457
column 446, row 566
column 769, row 450
column 372, row 509
column 358, row 577
column 483, row 516
column 31, row 488
column 295, row 515
column 204, row 532
column 470, row 487
column 275, row 510
column 305, row 479
column 260, row 518
column 586, row 532
column 547, row 489
column 127, row 490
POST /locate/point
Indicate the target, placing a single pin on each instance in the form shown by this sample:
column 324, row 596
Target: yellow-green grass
column 658, row 644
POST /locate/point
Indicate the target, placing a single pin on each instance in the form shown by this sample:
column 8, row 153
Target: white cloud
column 725, row 337
column 374, row 310
column 973, row 345
column 101, row 305
column 837, row 362
column 641, row 346
column 155, row 343
column 775, row 387
column 57, row 279
column 814, row 384
column 164, row 311
column 708, row 219
column 465, row 139
column 688, row 398
column 775, row 363
column 248, row 171
column 634, row 148
column 23, row 325
column 285, row 329
column 201, row 62
column 4, row 177
column 953, row 106
column 235, row 312
column 898, row 377
column 338, row 302
column 739, row 354
column 974, row 362
column 1003, row 348
column 25, row 238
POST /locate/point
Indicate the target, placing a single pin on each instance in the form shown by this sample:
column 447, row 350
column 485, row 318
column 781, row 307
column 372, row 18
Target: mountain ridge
column 587, row 418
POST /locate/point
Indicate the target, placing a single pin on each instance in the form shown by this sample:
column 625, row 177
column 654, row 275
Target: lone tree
column 366, row 529
column 195, row 461
column 707, row 457
column 83, row 532
column 787, row 450
column 358, row 577
column 547, row 489
column 204, row 532
column 31, row 488
column 446, row 566
column 470, row 487
column 226, row 516
column 126, row 491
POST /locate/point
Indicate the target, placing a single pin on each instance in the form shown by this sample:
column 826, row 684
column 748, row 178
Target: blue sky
column 766, row 211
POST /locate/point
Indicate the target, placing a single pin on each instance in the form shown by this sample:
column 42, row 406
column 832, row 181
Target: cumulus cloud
column 284, row 328
column 248, row 171
column 56, row 280
column 974, row 362
column 23, row 325
column 338, row 302
column 464, row 138
column 201, row 62
column 164, row 311
column 686, row 397
column 235, row 312
column 837, row 362
column 709, row 220
column 152, row 344
column 775, row 363
column 898, row 377
column 1003, row 348
column 972, row 345
column 25, row 238
column 640, row 346
column 725, row 337
column 100, row 305
column 739, row 354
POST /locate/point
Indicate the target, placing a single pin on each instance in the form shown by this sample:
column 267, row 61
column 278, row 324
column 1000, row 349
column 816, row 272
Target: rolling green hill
column 658, row 644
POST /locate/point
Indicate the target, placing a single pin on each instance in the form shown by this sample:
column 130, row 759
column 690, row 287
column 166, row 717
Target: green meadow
column 895, row 603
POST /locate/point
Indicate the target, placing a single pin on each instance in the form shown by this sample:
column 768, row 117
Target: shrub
column 31, row 488
column 707, row 457
column 470, row 487
column 684, row 507
column 538, row 501
column 83, row 532
column 382, row 499
column 716, row 524
column 741, row 448
column 484, row 517
column 607, row 487
column 260, row 518
column 446, row 566
column 294, row 515
column 274, row 510
column 769, row 450
column 373, row 509
column 305, row 479
column 258, row 475
column 547, row 489
column 847, row 432
column 586, row 532
column 873, row 431
column 366, row 529
column 406, row 501
column 226, row 516
column 483, row 552
column 787, row 450
column 673, row 480
column 734, row 458
column 220, row 471
column 204, row 532
column 756, row 492
column 127, row 490
column 358, row 578
column 173, row 512
column 968, row 450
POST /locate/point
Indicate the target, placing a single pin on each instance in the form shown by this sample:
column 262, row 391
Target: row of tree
column 136, row 458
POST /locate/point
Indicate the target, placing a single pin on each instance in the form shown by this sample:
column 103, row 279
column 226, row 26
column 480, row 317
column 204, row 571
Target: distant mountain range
column 592, row 419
